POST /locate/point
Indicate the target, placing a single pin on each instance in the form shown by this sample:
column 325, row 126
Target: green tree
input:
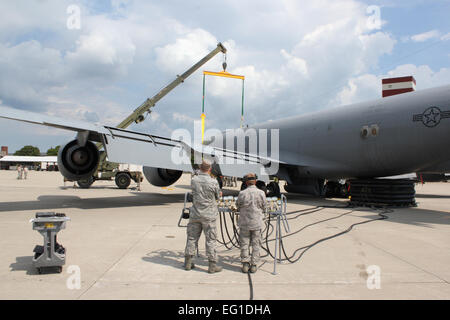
column 28, row 151
column 53, row 151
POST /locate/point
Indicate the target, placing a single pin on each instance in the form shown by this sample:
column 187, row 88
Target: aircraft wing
column 125, row 146
column 50, row 121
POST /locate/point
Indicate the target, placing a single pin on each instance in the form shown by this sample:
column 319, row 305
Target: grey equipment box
column 51, row 254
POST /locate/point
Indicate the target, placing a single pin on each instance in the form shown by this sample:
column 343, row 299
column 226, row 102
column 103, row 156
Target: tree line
column 34, row 151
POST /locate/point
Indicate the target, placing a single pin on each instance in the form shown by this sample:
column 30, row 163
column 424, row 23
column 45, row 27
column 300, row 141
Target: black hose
column 223, row 235
column 306, row 248
column 233, row 241
column 228, row 234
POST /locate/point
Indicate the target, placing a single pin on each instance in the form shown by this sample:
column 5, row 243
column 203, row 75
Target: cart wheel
column 123, row 180
column 39, row 270
column 60, row 269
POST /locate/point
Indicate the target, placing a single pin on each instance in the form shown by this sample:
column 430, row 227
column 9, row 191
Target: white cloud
column 185, row 51
column 295, row 63
column 182, row 118
column 102, row 54
column 368, row 86
column 422, row 37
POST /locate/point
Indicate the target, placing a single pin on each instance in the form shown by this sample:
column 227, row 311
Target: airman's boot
column 188, row 264
column 253, row 269
column 245, row 267
column 213, row 267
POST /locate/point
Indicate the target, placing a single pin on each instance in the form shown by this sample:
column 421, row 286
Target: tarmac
column 126, row 245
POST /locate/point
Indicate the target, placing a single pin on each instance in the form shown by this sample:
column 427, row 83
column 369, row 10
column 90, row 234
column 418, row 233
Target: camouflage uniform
column 203, row 215
column 251, row 204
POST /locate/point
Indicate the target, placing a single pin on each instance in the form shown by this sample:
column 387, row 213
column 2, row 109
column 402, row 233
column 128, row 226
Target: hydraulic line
column 223, row 235
column 229, row 244
column 306, row 248
column 232, row 240
column 228, row 234
column 235, row 231
column 382, row 217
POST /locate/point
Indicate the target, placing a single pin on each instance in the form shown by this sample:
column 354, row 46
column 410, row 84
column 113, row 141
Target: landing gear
column 334, row 189
column 85, row 183
column 273, row 189
column 261, row 185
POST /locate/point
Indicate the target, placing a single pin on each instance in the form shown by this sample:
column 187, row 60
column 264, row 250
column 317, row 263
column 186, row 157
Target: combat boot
column 213, row 267
column 253, row 268
column 245, row 267
column 188, row 264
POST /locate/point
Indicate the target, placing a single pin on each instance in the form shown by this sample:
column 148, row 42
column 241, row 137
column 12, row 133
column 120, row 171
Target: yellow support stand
column 203, row 126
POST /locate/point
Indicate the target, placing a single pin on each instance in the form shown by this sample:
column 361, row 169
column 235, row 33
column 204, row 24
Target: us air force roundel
column 432, row 116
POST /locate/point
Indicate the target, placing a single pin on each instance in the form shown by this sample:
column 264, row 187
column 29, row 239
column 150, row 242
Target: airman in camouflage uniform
column 251, row 204
column 203, row 215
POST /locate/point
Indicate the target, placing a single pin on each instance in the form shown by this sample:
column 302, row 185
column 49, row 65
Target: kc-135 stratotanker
column 385, row 137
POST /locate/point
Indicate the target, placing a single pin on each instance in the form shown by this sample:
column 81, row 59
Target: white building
column 41, row 162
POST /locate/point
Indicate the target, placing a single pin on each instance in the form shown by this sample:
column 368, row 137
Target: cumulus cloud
column 185, row 51
column 103, row 53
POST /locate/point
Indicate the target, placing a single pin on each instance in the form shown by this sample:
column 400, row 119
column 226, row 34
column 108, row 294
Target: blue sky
column 297, row 56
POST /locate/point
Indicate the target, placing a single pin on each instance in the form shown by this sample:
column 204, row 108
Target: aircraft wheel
column 123, row 180
column 85, row 183
column 273, row 190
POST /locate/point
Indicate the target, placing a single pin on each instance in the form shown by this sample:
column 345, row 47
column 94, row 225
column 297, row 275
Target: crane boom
column 106, row 169
column 137, row 114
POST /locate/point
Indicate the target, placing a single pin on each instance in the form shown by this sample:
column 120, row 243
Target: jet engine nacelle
column 76, row 162
column 161, row 177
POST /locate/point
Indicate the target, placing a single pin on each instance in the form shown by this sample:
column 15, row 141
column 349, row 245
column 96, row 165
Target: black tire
column 220, row 182
column 273, row 190
column 85, row 183
column 123, row 180
column 261, row 185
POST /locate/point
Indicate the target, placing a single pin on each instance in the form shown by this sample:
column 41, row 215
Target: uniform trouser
column 194, row 230
column 249, row 238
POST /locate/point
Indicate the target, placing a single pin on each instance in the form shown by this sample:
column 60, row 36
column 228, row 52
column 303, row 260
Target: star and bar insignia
column 431, row 117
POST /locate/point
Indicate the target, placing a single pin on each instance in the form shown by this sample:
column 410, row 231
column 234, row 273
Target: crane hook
column 224, row 64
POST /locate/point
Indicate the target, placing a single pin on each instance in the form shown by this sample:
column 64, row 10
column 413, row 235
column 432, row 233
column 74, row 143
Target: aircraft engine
column 161, row 177
column 77, row 162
